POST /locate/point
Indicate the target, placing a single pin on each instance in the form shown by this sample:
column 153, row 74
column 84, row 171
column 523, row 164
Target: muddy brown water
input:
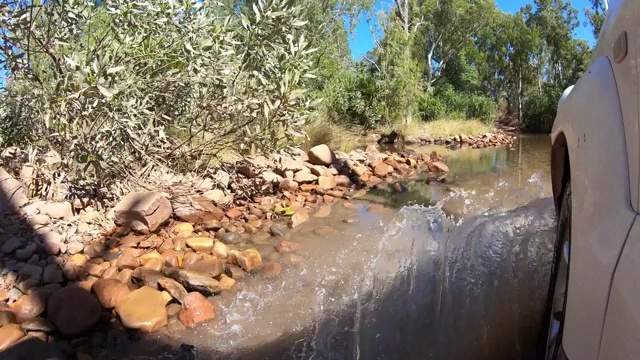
column 453, row 270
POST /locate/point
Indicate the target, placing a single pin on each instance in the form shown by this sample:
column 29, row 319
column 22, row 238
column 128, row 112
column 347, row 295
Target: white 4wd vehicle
column 594, row 294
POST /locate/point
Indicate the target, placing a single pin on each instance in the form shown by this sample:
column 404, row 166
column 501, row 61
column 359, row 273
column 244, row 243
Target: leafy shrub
column 351, row 99
column 431, row 108
column 480, row 107
column 117, row 83
column 540, row 111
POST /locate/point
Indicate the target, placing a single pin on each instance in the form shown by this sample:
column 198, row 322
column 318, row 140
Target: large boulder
column 143, row 211
column 321, row 155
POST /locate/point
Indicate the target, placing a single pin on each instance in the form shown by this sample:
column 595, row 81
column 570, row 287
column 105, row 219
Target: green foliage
column 351, row 99
column 431, row 108
column 540, row 110
column 126, row 83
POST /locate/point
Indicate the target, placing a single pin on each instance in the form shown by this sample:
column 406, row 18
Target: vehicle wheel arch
column 560, row 168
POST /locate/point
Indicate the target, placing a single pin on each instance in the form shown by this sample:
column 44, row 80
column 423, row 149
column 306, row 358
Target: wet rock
column 288, row 246
column 278, row 229
column 143, row 211
column 226, row 282
column 195, row 281
column 28, row 307
column 11, row 245
column 249, row 260
column 110, row 292
column 376, row 208
column 174, row 288
column 235, row 272
column 73, row 311
column 200, row 243
column 301, row 216
column 323, row 211
column 438, row 166
column 212, row 268
column 291, row 259
column 52, row 274
column 270, row 270
column 60, row 210
column 230, row 238
column 146, row 276
column 7, row 317
column 37, row 324
column 220, row 249
column 9, row 335
column 321, row 155
column 173, row 309
column 303, row 177
column 143, row 309
column 195, row 310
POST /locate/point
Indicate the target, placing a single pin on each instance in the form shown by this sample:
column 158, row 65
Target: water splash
column 419, row 283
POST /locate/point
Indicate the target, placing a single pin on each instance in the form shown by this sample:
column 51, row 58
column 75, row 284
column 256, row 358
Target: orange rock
column 195, row 310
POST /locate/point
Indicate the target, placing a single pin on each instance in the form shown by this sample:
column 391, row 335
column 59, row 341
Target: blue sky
column 361, row 40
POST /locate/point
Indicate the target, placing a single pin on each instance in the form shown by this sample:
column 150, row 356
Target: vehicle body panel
column 590, row 118
column 621, row 339
column 621, row 17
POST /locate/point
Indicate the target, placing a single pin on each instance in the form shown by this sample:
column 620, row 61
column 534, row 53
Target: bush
column 114, row 83
column 480, row 107
column 431, row 108
column 351, row 99
column 457, row 105
column 540, row 111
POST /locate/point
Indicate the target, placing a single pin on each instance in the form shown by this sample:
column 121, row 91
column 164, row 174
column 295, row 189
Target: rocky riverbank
column 496, row 139
column 158, row 260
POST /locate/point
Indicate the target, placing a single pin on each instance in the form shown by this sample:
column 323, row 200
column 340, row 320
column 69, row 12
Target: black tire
column 548, row 349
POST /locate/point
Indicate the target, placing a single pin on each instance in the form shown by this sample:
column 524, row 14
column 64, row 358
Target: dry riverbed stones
column 171, row 252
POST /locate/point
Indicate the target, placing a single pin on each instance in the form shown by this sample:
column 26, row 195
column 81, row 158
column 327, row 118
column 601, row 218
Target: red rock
column 326, row 182
column 288, row 246
column 270, row 270
column 195, row 310
column 234, row 213
column 438, row 166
